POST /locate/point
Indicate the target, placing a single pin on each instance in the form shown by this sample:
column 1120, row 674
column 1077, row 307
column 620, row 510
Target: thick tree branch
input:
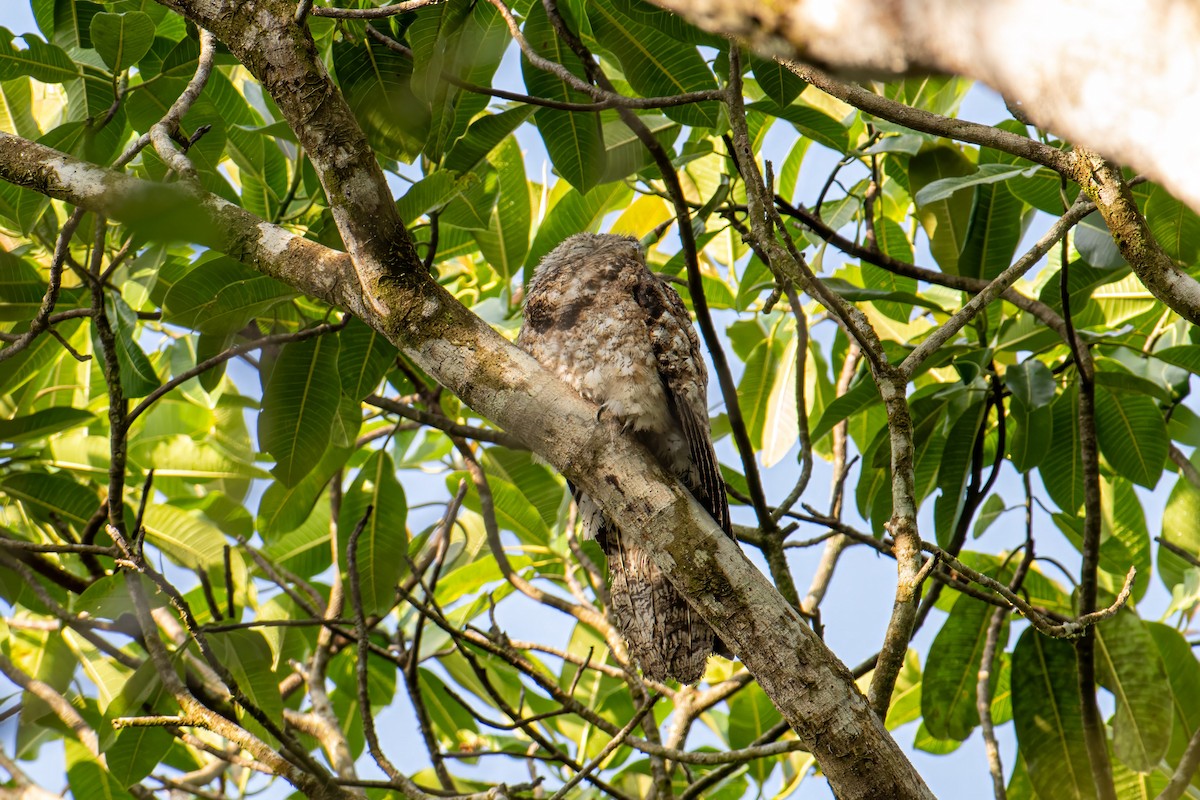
column 1141, row 57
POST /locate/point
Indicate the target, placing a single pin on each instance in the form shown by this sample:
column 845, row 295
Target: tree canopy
column 273, row 476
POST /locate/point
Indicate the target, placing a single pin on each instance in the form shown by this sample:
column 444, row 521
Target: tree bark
column 1122, row 78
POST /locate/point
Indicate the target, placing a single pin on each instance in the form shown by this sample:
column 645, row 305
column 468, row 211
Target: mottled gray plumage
column 600, row 320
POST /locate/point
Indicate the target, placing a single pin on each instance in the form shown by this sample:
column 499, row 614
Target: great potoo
column 601, row 321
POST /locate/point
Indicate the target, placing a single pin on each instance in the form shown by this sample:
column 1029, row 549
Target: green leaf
column 758, row 380
column 1062, row 469
column 1029, row 436
column 657, row 65
column 861, row 395
column 573, row 140
column 220, row 296
column 891, row 240
column 994, row 232
column 1183, row 675
column 40, row 61
column 375, row 81
column 45, row 493
column 1048, row 717
column 283, row 508
column 1041, row 189
column 43, row 423
column 506, row 240
column 989, row 512
column 122, row 39
column 298, row 407
column 1127, row 667
column 364, row 357
column 946, row 219
column 138, row 377
column 184, row 537
column 816, row 125
column 954, row 475
column 482, row 136
column 305, row 549
column 952, row 669
column 1174, row 225
column 1031, row 382
column 16, row 108
column 751, row 714
column 247, row 656
column 1132, row 435
column 136, row 752
column 780, row 83
column 1180, row 527
column 985, row 174
column 383, row 544
column 88, row 779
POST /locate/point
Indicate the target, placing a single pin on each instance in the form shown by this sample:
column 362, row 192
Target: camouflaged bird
column 597, row 318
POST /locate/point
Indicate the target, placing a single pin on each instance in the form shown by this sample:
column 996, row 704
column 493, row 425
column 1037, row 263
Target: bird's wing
column 685, row 381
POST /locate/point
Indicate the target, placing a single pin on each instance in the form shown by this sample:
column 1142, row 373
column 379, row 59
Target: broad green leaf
column 383, row 544
column 247, row 656
column 375, row 82
column 946, row 220
column 1185, row 356
column 221, row 295
column 1128, row 667
column 88, row 779
column 954, row 474
column 138, row 377
column 16, row 104
column 892, row 241
column 448, row 717
column 1180, row 527
column 283, row 508
column 298, row 407
column 305, row 549
column 1062, row 469
column 780, row 83
column 994, row 232
column 989, row 512
column 184, row 538
column 906, row 699
column 815, row 124
column 573, row 140
column 43, row 423
column 952, row 670
column 45, row 493
column 624, row 152
column 861, row 395
column 928, row 743
column 755, row 387
column 985, row 174
column 751, row 714
column 136, row 752
column 39, row 60
column 1183, row 674
column 1174, row 225
column 1031, row 382
column 430, row 193
column 655, row 64
column 506, row 240
column 1048, row 717
column 1042, row 190
column 122, row 39
column 1132, row 435
column 482, row 136
column 364, row 357
column 780, row 427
